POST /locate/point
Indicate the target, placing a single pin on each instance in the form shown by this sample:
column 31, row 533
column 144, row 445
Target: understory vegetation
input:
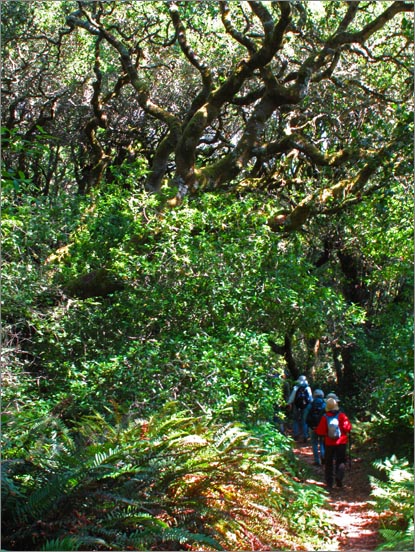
column 95, row 454
column 184, row 233
column 171, row 480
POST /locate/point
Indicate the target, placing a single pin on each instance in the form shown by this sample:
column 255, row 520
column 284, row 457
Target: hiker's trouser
column 335, row 462
column 300, row 426
column 317, row 443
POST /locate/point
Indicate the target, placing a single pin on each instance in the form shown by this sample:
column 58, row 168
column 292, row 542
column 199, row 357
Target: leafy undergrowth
column 394, row 498
column 172, row 482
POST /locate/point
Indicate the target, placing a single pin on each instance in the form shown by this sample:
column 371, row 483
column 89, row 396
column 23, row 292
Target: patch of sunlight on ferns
column 147, row 538
column 48, row 438
column 132, row 514
column 174, row 479
column 395, row 499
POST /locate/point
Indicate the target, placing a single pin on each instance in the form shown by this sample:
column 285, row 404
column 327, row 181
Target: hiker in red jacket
column 335, row 426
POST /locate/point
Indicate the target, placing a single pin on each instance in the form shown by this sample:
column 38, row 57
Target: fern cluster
column 173, row 481
column 395, row 499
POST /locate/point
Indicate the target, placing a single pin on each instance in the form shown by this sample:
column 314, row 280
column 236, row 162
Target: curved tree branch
column 364, row 34
column 320, row 200
column 230, row 29
column 203, row 69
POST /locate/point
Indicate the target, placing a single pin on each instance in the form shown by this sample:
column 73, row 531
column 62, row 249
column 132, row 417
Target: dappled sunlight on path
column 348, row 508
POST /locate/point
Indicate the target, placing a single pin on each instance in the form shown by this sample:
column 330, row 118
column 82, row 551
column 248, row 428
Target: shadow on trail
column 348, row 506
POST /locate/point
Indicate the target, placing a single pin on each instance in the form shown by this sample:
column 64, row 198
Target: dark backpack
column 316, row 412
column 333, row 427
column 302, row 398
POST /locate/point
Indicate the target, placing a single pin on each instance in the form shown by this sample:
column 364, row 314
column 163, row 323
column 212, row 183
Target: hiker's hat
column 333, row 396
column 331, row 404
column 318, row 393
column 302, row 380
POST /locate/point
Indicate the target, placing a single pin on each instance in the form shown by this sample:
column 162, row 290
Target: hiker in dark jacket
column 335, row 446
column 299, row 423
column 313, row 413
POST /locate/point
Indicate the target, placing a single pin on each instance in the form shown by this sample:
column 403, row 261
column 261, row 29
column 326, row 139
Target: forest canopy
column 302, row 100
column 200, row 201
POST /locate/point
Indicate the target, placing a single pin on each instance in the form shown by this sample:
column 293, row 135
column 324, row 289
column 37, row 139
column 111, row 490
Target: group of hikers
column 319, row 418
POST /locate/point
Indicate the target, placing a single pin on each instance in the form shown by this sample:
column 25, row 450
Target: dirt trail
column 348, row 506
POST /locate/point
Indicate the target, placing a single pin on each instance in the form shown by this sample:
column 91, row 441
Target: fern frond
column 395, row 496
column 397, row 540
column 72, row 543
column 103, row 458
column 135, row 516
column 65, row 543
column 46, row 497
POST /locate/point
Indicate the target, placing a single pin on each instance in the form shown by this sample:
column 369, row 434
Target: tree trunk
column 286, row 351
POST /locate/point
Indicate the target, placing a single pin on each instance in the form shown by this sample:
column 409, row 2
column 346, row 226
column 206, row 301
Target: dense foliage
column 133, row 484
column 200, row 201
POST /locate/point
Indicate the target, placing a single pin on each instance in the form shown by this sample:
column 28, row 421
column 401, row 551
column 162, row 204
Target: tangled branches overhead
column 214, row 94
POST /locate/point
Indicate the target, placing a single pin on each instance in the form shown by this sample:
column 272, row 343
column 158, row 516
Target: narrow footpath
column 348, row 507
